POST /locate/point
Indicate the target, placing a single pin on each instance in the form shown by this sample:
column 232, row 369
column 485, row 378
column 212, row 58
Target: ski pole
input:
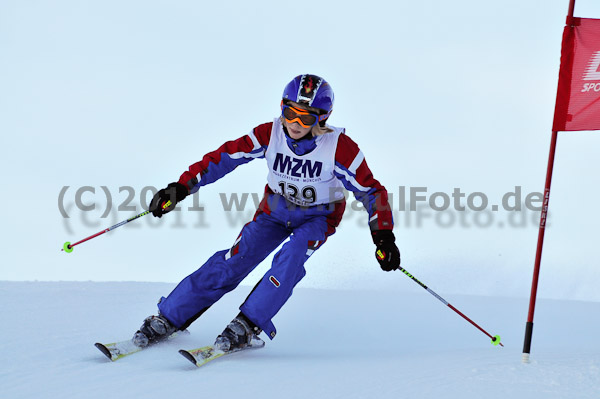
column 68, row 247
column 495, row 339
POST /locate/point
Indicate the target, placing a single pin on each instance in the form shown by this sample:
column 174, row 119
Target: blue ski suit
column 292, row 212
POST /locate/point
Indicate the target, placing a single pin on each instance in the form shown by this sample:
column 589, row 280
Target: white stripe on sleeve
column 350, row 179
column 254, row 140
column 357, row 161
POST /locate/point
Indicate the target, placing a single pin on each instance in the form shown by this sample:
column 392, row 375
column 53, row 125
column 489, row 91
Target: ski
column 118, row 350
column 206, row 354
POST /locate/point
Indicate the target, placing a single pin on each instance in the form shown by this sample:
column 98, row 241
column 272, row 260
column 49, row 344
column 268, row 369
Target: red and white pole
column 540, row 243
column 538, row 255
column 68, row 247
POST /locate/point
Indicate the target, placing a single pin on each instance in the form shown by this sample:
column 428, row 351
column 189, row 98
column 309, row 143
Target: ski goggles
column 303, row 117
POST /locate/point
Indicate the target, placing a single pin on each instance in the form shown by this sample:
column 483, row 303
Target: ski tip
column 104, row 350
column 188, row 356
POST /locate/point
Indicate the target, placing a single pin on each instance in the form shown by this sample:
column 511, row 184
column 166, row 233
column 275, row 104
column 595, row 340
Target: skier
column 310, row 163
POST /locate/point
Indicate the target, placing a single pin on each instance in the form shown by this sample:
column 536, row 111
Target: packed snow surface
column 330, row 344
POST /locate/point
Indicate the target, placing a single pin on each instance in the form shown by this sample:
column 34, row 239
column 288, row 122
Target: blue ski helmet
column 311, row 90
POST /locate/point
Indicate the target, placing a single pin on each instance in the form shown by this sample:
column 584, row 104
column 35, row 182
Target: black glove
column 387, row 252
column 165, row 200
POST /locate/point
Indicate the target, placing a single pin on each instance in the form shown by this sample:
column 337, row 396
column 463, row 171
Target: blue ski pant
column 276, row 220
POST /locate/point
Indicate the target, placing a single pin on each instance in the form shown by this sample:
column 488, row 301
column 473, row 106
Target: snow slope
column 331, row 344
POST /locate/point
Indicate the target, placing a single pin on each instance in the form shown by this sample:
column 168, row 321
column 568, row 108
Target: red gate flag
column 578, row 97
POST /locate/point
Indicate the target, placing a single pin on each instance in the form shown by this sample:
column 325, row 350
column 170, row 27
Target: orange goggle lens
column 304, row 118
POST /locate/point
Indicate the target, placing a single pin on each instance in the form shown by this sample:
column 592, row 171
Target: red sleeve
column 352, row 169
column 226, row 158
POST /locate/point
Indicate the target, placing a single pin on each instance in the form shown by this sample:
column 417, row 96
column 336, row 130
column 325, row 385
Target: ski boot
column 153, row 330
column 239, row 334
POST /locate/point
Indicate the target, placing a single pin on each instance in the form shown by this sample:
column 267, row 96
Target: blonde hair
column 318, row 130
